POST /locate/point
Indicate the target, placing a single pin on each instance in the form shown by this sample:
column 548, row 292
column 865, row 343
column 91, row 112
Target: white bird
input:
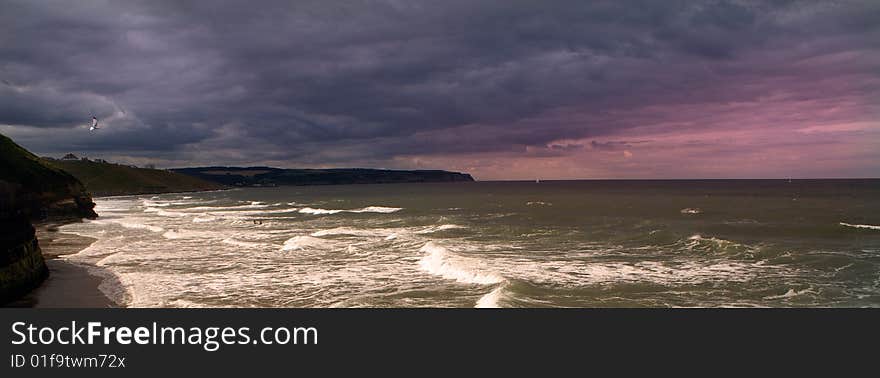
column 94, row 124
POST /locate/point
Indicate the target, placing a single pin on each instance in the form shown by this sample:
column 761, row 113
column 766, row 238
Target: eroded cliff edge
column 31, row 190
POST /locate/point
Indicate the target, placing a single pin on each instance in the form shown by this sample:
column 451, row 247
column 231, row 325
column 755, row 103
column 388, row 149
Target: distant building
column 70, row 157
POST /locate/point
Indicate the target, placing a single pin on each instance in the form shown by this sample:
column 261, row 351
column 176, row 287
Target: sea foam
column 442, row 227
column 441, row 262
column 492, row 299
column 368, row 209
column 303, row 242
column 866, row 226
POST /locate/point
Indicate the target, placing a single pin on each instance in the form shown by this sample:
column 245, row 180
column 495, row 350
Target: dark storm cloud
column 346, row 82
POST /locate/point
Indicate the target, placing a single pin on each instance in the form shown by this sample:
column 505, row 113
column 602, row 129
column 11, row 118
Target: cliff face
column 39, row 189
column 22, row 267
column 31, row 189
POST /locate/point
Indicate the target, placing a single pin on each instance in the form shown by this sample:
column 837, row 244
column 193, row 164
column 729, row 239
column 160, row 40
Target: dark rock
column 31, row 189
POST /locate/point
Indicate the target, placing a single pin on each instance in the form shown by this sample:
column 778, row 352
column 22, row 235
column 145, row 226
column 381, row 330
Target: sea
column 594, row 243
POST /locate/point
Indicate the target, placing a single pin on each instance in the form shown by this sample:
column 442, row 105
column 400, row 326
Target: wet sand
column 68, row 285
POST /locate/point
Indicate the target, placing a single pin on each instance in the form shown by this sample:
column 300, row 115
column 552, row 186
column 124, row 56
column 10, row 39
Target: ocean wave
column 349, row 231
column 442, row 227
column 220, row 208
column 140, row 226
column 377, row 209
column 255, row 212
column 154, row 203
column 792, row 293
column 713, row 244
column 661, row 273
column 368, row 209
column 247, row 244
column 204, row 219
column 441, row 262
column 865, row 226
column 538, row 203
column 165, row 213
column 147, row 203
column 304, row 242
column 493, row 298
column 187, row 234
column 309, row 210
column 691, row 210
column 130, row 225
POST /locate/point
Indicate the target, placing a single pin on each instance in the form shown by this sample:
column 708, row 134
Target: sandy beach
column 68, row 285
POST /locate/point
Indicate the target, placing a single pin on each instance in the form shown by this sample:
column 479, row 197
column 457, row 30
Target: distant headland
column 268, row 176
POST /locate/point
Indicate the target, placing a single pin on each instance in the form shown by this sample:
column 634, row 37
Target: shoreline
column 69, row 285
column 158, row 193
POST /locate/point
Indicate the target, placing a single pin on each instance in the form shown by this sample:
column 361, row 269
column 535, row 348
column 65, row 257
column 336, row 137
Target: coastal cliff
column 22, row 267
column 109, row 179
column 39, row 189
column 31, row 189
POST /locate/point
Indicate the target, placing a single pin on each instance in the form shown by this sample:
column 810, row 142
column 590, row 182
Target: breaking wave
column 303, row 242
column 187, row 234
column 368, row 209
column 309, row 210
column 441, row 262
column 219, row 208
column 349, row 231
column 165, row 213
column 131, row 225
column 866, row 226
column 442, row 227
column 792, row 293
column 493, row 298
column 204, row 219
column 715, row 245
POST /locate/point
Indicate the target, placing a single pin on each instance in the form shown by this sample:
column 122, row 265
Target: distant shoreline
column 69, row 285
column 158, row 193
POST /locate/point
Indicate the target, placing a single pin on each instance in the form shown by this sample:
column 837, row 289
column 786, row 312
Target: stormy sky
column 501, row 89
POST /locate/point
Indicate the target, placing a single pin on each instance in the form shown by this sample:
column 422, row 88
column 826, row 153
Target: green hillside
column 38, row 188
column 108, row 179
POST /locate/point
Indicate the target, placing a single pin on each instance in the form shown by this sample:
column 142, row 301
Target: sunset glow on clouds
column 503, row 90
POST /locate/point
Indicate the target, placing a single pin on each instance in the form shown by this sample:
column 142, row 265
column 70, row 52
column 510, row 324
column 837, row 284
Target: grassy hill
column 38, row 188
column 108, row 179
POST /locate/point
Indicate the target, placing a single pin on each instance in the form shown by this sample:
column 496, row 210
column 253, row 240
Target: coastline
column 158, row 193
column 68, row 285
